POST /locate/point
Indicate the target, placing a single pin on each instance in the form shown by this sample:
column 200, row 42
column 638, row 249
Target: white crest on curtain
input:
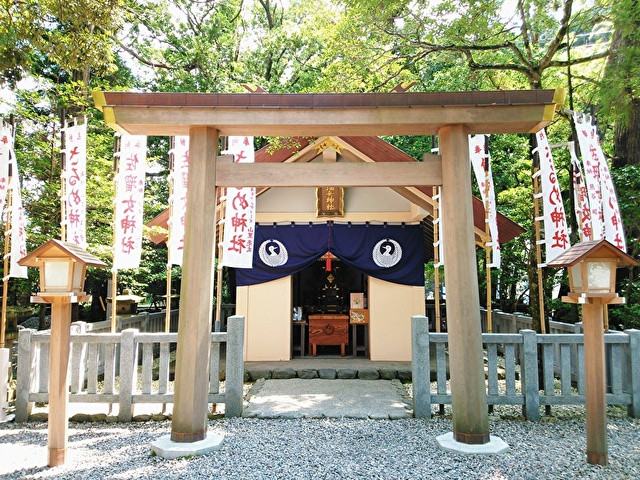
column 580, row 197
column 240, row 212
column 591, row 161
column 480, row 158
column 75, row 178
column 129, row 201
column 556, row 232
column 178, row 200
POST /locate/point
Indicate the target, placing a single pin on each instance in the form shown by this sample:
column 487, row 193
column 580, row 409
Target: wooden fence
column 562, row 360
column 104, row 368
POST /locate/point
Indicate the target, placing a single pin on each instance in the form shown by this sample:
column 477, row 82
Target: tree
column 525, row 47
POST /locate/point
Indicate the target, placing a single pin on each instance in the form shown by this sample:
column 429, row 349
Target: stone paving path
column 318, row 398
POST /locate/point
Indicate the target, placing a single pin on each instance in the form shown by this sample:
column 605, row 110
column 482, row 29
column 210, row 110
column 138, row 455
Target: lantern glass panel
column 599, row 277
column 56, row 275
column 78, row 277
column 576, row 277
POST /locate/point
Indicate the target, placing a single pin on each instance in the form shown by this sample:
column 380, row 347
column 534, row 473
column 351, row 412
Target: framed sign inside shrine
column 330, row 202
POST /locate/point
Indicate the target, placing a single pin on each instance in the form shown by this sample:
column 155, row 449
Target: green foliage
column 65, row 49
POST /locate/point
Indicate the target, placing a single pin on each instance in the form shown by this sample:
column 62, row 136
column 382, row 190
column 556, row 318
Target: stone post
column 529, row 371
column 420, row 366
column 234, row 367
column 634, row 372
column 24, row 376
column 4, row 382
column 128, row 373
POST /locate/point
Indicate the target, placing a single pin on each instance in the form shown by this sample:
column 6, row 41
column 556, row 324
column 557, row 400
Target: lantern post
column 592, row 283
column 62, row 268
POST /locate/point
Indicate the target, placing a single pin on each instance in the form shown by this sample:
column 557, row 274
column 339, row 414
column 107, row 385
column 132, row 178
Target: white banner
column 613, row 231
column 580, row 198
column 481, row 163
column 18, row 227
column 132, row 166
column 556, row 232
column 240, row 213
column 178, row 200
column 6, row 153
column 591, row 162
column 75, row 178
column 439, row 242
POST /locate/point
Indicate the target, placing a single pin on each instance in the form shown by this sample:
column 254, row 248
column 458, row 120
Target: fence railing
column 126, row 368
column 145, row 322
column 560, row 355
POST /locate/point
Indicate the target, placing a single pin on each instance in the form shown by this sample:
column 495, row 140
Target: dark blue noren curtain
column 282, row 250
column 393, row 253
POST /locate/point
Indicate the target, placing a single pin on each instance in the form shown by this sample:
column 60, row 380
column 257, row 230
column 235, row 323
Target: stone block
column 347, row 374
column 368, row 374
column 307, row 373
column 388, row 373
column 257, row 374
column 327, row 373
column 283, row 373
column 404, row 375
column 165, row 448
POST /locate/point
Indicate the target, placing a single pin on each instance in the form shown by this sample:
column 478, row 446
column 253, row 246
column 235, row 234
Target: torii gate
column 451, row 116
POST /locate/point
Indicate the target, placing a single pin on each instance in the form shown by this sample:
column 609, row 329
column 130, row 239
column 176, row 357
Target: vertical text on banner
column 591, row 163
column 240, row 213
column 556, row 232
column 178, row 200
column 132, row 166
column 480, row 160
column 75, row 178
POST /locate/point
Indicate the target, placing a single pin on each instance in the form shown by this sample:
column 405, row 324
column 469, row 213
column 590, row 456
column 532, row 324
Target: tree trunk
column 627, row 139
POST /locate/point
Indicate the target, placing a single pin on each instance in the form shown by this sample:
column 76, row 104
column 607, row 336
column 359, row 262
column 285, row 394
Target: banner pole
column 220, row 253
column 63, row 182
column 536, row 214
column 114, row 270
column 487, row 231
column 436, row 259
column 7, row 241
column 5, row 280
column 167, row 313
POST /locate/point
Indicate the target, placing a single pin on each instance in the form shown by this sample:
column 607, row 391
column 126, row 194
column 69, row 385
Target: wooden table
column 328, row 329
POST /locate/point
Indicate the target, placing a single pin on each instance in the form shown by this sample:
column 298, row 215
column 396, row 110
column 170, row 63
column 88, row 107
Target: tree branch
column 560, row 35
column 135, row 54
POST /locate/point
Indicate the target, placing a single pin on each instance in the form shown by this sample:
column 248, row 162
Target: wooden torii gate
column 451, row 116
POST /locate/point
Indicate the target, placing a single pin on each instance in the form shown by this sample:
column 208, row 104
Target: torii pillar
column 191, row 399
column 468, row 394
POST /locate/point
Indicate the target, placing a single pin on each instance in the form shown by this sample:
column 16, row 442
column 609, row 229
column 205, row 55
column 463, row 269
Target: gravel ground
column 553, row 448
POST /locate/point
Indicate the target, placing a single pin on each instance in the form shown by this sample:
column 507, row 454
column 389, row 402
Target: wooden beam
column 143, row 120
column 328, row 174
column 329, row 114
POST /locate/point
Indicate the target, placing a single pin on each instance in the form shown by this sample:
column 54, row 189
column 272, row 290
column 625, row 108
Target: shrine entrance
column 453, row 116
column 325, row 288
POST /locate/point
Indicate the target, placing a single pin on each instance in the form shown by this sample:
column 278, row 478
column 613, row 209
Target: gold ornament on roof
column 328, row 143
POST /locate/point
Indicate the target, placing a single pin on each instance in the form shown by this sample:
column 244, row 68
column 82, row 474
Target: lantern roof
column 56, row 249
column 593, row 249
